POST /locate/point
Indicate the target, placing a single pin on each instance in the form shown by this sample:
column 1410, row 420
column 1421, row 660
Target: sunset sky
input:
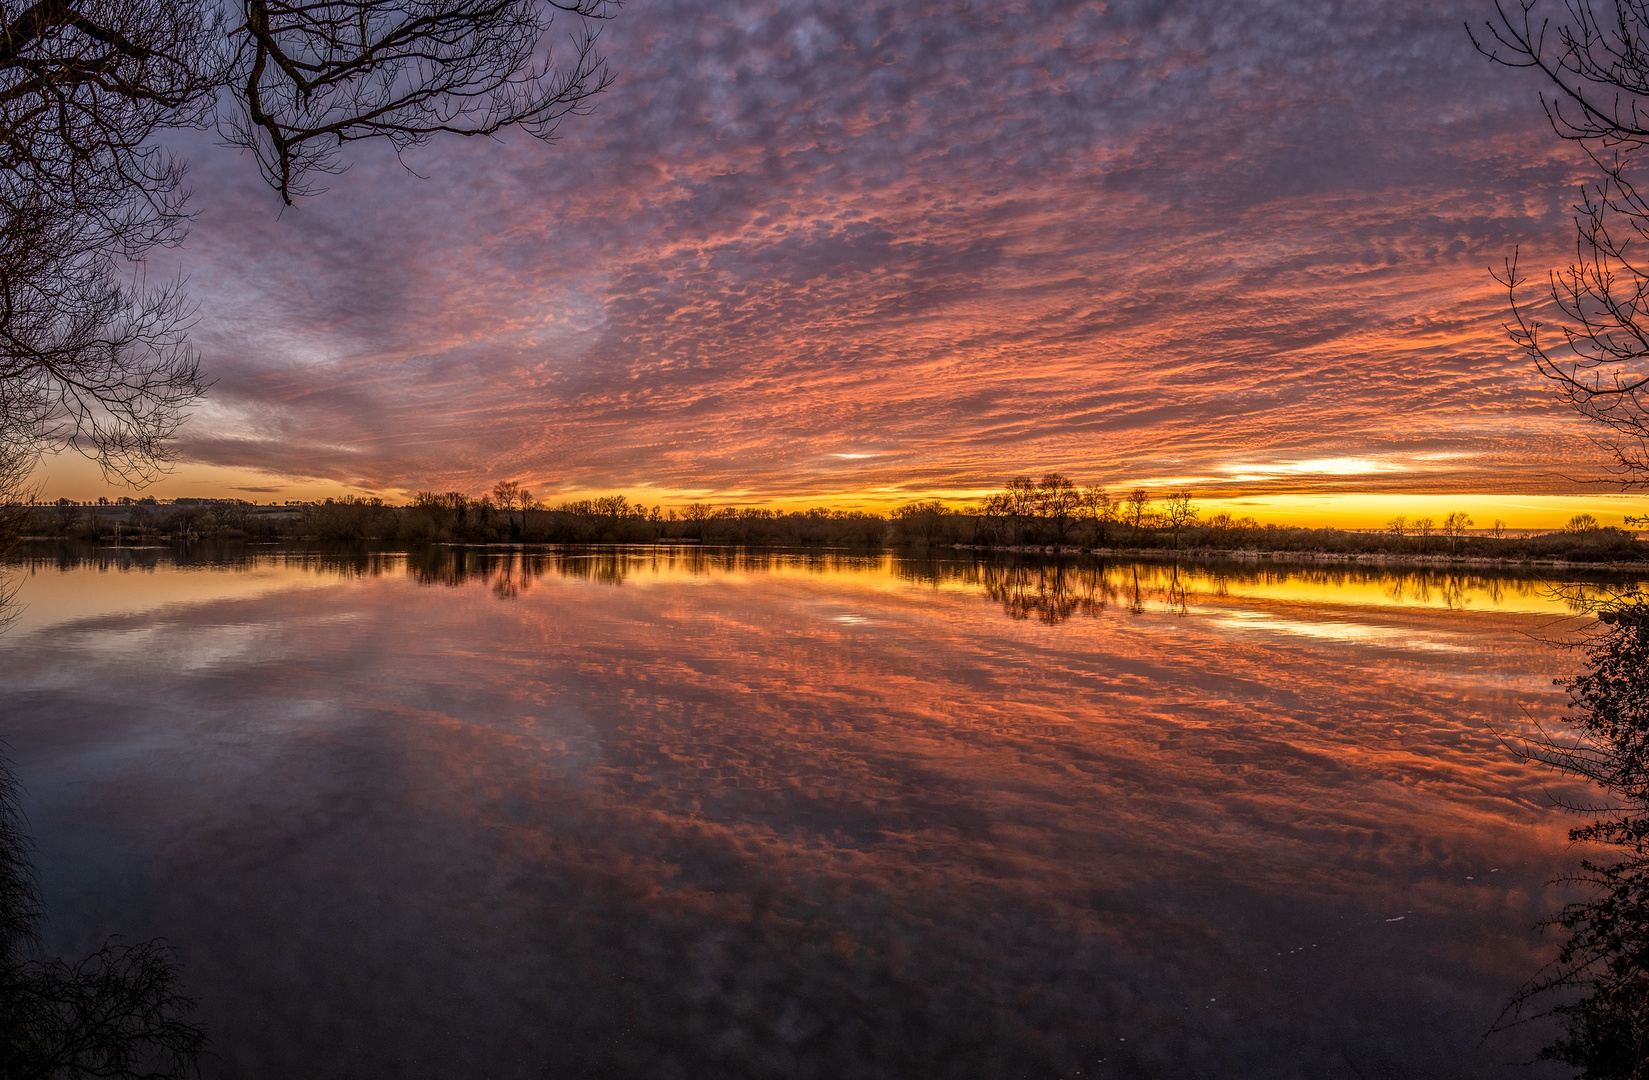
column 855, row 253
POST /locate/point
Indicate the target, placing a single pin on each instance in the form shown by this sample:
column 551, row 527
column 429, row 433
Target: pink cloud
column 975, row 240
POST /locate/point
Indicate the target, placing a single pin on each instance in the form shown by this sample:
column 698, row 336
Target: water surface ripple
column 665, row 813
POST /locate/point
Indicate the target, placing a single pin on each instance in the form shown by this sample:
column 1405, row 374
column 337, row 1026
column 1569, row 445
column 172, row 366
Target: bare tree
column 1397, row 526
column 92, row 355
column 1101, row 510
column 1221, row 526
column 993, row 518
column 310, row 77
column 922, row 522
column 1421, row 527
column 1594, row 57
column 1022, row 501
column 1178, row 512
column 1058, row 500
column 1137, row 510
column 698, row 516
column 15, row 495
column 1454, row 527
column 509, row 496
column 1008, row 510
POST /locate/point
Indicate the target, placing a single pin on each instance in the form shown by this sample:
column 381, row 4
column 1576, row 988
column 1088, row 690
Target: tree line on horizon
column 1027, row 514
column 95, row 363
column 1056, row 512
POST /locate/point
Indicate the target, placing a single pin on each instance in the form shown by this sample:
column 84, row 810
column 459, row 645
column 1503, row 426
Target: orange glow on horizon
column 856, row 307
column 69, row 476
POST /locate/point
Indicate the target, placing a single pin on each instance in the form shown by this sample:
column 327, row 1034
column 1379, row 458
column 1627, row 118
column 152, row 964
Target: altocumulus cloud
column 810, row 248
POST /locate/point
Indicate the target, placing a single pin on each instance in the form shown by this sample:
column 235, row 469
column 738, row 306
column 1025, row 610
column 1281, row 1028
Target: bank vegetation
column 1028, row 514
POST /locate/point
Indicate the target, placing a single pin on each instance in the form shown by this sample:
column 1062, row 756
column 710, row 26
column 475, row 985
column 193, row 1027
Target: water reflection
column 1052, row 591
column 689, row 812
column 118, row 1013
column 1049, row 590
column 1601, row 975
column 1045, row 589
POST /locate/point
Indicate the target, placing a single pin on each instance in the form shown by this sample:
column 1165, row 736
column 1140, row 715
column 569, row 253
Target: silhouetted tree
column 1009, row 510
column 1594, row 59
column 1022, row 500
column 1137, row 510
column 310, row 77
column 1101, row 511
column 696, row 515
column 14, row 495
column 93, row 357
column 350, row 518
column 1454, row 527
column 1421, row 527
column 504, row 493
column 1178, row 512
column 1057, row 501
column 920, row 522
column 510, row 497
column 1605, row 958
column 1221, row 528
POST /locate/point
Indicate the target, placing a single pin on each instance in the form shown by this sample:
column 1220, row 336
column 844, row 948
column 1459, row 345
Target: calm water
column 662, row 814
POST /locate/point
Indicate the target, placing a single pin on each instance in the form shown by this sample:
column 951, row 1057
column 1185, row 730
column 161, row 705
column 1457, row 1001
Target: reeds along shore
column 614, row 520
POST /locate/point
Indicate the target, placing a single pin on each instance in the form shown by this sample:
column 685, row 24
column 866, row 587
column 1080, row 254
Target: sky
column 855, row 254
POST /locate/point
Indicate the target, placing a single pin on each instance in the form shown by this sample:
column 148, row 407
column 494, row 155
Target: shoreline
column 1341, row 558
column 1371, row 559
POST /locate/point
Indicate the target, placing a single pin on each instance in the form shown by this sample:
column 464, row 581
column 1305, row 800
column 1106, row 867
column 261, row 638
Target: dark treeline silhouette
column 611, row 519
column 1600, row 979
column 454, row 517
column 1055, row 512
column 1052, row 512
column 118, row 1013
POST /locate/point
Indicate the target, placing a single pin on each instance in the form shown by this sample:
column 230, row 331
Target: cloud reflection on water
column 692, row 813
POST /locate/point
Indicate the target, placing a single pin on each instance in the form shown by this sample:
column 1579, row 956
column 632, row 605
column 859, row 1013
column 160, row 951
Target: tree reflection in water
column 1048, row 590
column 118, row 1013
column 676, row 883
column 1605, row 959
column 1053, row 590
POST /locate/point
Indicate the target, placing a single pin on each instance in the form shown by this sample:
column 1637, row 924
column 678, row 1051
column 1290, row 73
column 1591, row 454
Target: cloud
column 1054, row 235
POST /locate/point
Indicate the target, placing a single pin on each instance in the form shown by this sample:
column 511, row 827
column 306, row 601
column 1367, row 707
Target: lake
column 672, row 812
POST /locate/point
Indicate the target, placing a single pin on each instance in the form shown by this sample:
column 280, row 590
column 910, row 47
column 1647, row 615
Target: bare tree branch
column 1594, row 345
column 93, row 357
column 311, row 77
